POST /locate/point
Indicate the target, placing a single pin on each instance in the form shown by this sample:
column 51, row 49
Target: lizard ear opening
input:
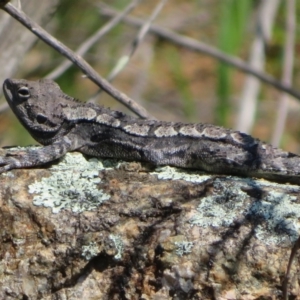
column 23, row 92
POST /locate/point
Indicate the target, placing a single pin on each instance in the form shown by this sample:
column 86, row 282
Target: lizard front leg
column 37, row 157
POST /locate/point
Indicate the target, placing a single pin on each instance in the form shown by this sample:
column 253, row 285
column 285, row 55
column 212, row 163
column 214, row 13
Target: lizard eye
column 23, row 92
column 41, row 118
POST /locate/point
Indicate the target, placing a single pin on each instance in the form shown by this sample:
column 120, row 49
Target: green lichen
column 184, row 247
column 280, row 213
column 89, row 251
column 275, row 215
column 72, row 185
column 222, row 207
column 167, row 172
column 118, row 244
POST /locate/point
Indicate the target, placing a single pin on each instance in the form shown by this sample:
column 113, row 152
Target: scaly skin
column 64, row 124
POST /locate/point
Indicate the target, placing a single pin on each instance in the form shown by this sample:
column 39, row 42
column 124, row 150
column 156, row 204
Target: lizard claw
column 11, row 160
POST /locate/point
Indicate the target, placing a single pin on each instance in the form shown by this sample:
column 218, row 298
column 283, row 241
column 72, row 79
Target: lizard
column 62, row 124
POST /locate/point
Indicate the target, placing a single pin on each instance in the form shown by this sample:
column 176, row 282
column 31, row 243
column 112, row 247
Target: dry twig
column 76, row 59
column 124, row 60
column 84, row 47
column 288, row 270
column 197, row 46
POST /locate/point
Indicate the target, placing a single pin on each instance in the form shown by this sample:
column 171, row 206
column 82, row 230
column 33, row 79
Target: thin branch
column 288, row 62
column 288, row 269
column 197, row 46
column 124, row 60
column 76, row 59
column 84, row 47
column 93, row 39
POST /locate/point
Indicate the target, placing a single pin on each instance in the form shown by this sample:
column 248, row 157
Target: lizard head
column 38, row 106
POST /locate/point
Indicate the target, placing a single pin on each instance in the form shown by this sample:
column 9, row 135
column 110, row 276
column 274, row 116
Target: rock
column 101, row 229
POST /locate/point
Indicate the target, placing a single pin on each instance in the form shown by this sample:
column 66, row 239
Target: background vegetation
column 172, row 82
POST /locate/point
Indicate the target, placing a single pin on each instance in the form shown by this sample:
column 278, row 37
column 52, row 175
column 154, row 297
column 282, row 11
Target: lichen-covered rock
column 99, row 229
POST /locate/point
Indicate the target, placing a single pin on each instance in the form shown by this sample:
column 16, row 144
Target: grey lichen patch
column 222, row 207
column 18, row 241
column 183, row 248
column 119, row 245
column 165, row 173
column 275, row 215
column 277, row 212
column 89, row 251
column 72, row 185
column 281, row 214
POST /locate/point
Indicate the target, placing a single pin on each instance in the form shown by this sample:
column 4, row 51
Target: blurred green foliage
column 173, row 83
column 233, row 24
column 182, row 82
